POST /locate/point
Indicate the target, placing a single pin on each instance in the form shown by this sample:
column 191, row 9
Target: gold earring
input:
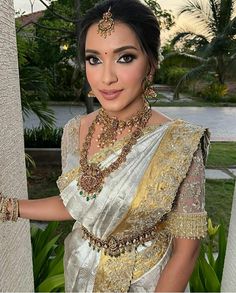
column 149, row 92
column 91, row 94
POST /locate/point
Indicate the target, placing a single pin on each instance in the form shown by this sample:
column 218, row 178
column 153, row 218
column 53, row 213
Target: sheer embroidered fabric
column 188, row 217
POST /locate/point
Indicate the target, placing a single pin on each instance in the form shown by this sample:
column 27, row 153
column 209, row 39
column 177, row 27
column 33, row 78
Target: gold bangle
column 5, row 214
column 15, row 210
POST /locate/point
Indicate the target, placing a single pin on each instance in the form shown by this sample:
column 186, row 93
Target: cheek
column 93, row 75
column 132, row 74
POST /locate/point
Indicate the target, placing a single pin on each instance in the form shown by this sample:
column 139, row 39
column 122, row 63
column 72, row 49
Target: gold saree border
column 154, row 198
column 187, row 225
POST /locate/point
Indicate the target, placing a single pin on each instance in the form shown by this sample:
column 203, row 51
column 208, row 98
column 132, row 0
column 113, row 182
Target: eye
column 126, row 58
column 93, row 60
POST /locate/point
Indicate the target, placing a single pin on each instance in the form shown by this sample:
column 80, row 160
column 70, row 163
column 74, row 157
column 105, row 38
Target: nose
column 109, row 75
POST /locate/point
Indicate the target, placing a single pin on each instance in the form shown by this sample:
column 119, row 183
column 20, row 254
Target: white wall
column 229, row 274
column 15, row 248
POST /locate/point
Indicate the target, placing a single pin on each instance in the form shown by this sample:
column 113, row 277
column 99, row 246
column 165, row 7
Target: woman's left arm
column 176, row 274
column 187, row 224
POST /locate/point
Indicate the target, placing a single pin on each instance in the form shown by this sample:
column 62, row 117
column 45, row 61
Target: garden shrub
column 43, row 137
column 214, row 92
column 47, row 259
column 174, row 74
column 208, row 271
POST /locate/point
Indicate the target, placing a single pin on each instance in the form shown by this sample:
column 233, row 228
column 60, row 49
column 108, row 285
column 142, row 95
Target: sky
column 24, row 6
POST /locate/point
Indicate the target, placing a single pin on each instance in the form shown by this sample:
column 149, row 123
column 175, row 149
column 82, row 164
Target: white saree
column 134, row 197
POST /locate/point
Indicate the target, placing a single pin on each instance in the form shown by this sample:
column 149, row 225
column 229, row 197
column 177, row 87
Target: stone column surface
column 16, row 273
column 229, row 274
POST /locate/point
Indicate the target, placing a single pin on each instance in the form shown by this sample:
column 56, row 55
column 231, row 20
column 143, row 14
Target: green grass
column 219, row 197
column 222, row 155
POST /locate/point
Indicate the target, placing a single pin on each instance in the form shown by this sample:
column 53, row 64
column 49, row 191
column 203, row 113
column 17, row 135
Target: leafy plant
column 30, row 163
column 43, row 137
column 174, row 74
column 47, row 259
column 207, row 274
column 214, row 92
column 33, row 81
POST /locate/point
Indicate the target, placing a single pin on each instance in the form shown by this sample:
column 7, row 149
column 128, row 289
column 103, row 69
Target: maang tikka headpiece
column 106, row 24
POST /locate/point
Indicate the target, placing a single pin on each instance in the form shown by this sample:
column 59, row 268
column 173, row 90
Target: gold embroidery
column 160, row 183
column 65, row 179
column 151, row 255
column 70, row 140
column 114, row 274
column 156, row 192
column 187, row 225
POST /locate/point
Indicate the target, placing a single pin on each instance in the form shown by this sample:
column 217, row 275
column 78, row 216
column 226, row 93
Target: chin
column 112, row 105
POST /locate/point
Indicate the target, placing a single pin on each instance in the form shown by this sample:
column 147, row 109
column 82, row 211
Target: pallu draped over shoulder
column 157, row 194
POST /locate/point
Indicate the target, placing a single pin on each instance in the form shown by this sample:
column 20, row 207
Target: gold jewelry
column 112, row 126
column 149, row 92
column 5, row 215
column 91, row 94
column 106, row 25
column 114, row 246
column 91, row 179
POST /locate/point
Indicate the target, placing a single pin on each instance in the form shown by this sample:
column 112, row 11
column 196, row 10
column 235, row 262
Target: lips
column 110, row 94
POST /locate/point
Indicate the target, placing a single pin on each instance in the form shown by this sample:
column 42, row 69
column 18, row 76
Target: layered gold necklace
column 91, row 179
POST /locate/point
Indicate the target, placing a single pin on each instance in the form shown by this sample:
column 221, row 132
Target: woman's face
column 115, row 68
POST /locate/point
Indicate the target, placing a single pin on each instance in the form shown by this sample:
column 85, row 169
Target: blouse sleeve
column 188, row 218
column 69, row 152
column 70, row 145
column 64, row 146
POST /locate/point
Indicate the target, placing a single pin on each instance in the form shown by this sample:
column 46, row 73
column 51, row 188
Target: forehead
column 122, row 36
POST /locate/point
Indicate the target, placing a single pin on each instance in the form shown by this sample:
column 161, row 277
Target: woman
column 132, row 178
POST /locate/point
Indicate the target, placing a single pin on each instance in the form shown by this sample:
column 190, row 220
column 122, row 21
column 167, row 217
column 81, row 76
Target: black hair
column 136, row 15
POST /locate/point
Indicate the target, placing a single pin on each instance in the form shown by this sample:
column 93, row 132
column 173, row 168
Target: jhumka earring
column 91, row 94
column 149, row 92
column 106, row 25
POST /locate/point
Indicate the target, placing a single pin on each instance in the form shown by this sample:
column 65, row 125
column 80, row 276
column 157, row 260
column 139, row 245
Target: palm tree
column 215, row 50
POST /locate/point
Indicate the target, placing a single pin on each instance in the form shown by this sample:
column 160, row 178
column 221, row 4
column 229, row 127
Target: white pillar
column 16, row 274
column 229, row 274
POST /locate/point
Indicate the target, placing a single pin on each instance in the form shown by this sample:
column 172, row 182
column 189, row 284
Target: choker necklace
column 112, row 126
column 91, row 179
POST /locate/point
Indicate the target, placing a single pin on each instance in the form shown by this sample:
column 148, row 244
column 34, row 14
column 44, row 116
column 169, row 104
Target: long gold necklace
column 91, row 179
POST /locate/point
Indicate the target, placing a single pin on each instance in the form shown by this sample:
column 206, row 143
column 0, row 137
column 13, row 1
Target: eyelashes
column 93, row 60
column 127, row 58
column 124, row 59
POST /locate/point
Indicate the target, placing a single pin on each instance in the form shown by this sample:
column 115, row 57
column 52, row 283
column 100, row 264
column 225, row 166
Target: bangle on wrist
column 9, row 209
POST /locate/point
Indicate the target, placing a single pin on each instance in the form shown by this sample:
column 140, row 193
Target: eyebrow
column 115, row 51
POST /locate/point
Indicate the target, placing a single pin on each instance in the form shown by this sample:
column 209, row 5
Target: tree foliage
column 166, row 18
column 33, row 82
column 216, row 45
